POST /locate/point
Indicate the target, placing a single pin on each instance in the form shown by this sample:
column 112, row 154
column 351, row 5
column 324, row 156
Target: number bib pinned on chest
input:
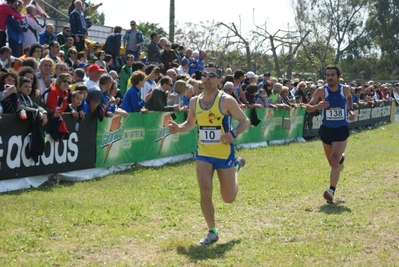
column 334, row 114
column 210, row 134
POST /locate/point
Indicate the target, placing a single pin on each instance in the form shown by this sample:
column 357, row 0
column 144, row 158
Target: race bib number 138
column 334, row 114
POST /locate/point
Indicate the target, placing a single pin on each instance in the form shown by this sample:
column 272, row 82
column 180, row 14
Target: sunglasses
column 133, row 24
column 67, row 81
column 210, row 74
column 170, row 84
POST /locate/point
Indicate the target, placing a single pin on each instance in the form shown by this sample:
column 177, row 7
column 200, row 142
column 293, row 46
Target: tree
column 58, row 9
column 382, row 27
column 335, row 24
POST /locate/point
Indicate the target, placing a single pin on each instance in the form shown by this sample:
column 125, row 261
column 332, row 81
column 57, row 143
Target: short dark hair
column 333, row 67
column 165, row 79
column 238, row 74
column 52, row 43
column 30, row 62
column 104, row 78
column 5, row 49
column 153, row 35
column 81, row 87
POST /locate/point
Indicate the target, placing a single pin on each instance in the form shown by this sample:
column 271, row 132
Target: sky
column 277, row 13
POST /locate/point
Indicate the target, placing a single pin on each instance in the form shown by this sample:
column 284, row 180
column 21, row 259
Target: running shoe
column 240, row 162
column 329, row 196
column 341, row 161
column 209, row 239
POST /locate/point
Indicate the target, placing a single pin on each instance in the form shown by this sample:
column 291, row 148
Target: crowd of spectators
column 68, row 79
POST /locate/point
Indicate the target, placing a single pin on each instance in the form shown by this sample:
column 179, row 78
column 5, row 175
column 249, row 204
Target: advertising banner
column 270, row 125
column 141, row 137
column 76, row 153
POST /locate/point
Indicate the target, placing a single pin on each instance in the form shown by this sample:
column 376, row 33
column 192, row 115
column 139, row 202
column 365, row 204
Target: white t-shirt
column 147, row 86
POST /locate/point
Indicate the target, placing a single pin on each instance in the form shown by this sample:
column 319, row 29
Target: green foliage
column 382, row 27
column 152, row 216
column 147, row 28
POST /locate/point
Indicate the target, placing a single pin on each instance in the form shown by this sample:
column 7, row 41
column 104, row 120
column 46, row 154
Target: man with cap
column 94, row 72
column 249, row 78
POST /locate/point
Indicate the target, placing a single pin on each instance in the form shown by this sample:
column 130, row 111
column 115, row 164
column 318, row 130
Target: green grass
column 151, row 216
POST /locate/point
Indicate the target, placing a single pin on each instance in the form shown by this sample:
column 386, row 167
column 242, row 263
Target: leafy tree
column 147, row 28
column 58, row 9
column 382, row 27
column 336, row 26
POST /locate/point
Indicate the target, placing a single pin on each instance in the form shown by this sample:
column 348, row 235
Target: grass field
column 152, row 217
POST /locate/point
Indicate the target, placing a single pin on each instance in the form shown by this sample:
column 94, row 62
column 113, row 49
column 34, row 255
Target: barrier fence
column 142, row 137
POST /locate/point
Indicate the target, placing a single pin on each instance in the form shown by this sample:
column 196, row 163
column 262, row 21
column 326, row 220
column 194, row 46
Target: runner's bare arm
column 189, row 123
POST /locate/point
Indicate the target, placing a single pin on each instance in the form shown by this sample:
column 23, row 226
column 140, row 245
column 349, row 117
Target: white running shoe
column 329, row 196
column 209, row 239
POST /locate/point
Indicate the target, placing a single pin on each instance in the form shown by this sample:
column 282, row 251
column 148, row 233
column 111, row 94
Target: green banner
column 270, row 125
column 140, row 137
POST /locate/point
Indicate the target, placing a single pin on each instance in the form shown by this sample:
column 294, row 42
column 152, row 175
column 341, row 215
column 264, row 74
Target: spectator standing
column 113, row 42
column 150, row 83
column 6, row 9
column 34, row 26
column 300, row 91
column 133, row 40
column 44, row 74
column 158, row 100
column 154, row 50
column 98, row 99
column 15, row 30
column 133, row 101
column 47, row 36
column 168, row 58
column 95, row 73
column 78, row 26
column 126, row 72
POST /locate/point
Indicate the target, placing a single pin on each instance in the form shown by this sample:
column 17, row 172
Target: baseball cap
column 250, row 75
column 94, row 68
column 83, row 64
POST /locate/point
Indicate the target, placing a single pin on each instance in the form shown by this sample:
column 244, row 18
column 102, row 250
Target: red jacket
column 5, row 11
column 54, row 97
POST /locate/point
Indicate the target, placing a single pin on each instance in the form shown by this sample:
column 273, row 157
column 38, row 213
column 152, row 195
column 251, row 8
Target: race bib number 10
column 335, row 114
column 210, row 134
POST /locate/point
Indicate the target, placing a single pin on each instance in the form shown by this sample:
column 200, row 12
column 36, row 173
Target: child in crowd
column 8, row 93
column 75, row 107
column 84, row 106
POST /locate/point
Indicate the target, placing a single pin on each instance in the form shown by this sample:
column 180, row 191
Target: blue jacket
column 45, row 37
column 132, row 101
column 16, row 29
column 78, row 27
column 139, row 39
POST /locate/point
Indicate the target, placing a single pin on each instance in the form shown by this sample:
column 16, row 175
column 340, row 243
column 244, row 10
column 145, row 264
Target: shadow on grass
column 200, row 253
column 335, row 208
